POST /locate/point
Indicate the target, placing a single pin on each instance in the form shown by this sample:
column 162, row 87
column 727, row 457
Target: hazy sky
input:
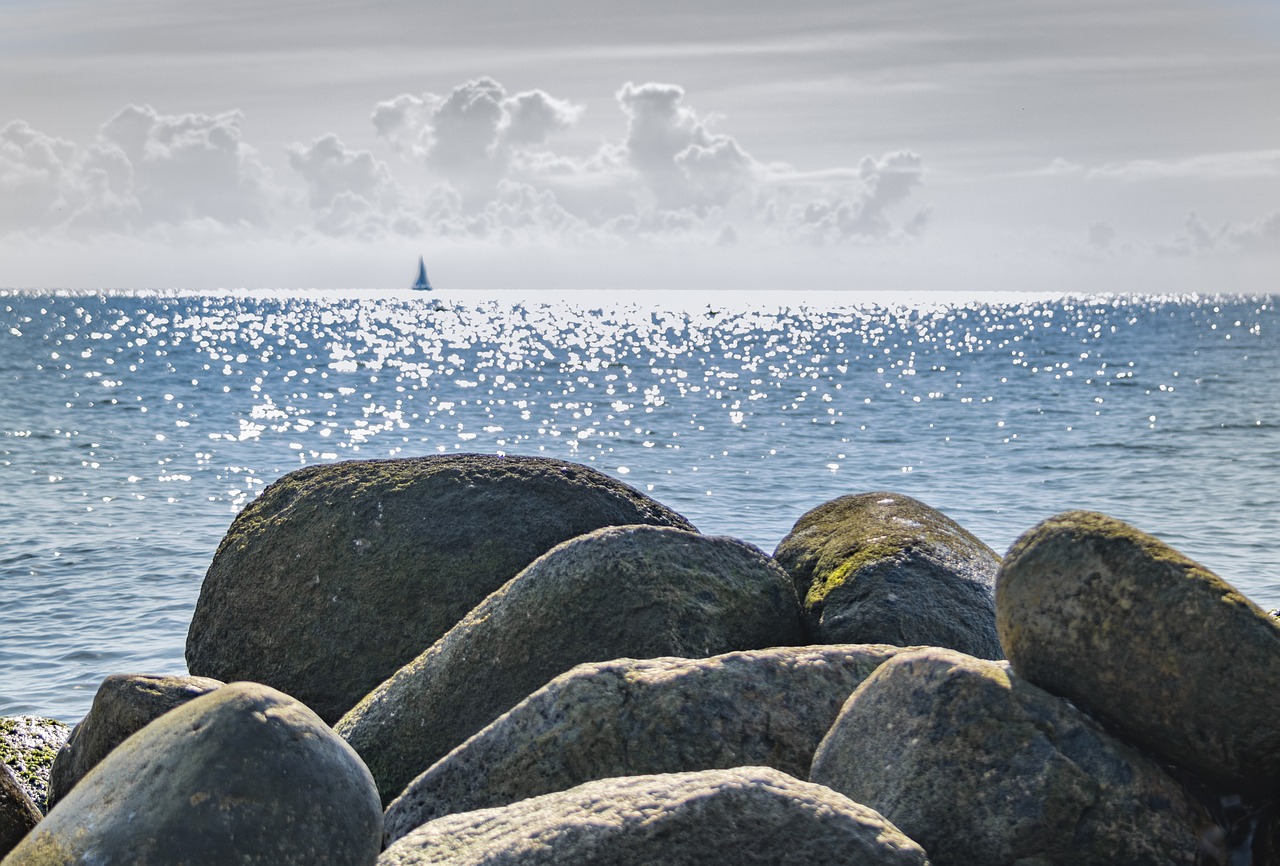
column 849, row 144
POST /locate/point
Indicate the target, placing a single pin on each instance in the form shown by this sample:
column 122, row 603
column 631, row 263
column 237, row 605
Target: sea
column 134, row 425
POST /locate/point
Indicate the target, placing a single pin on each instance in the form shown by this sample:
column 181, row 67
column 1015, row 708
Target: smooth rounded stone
column 1189, row 669
column 631, row 717
column 737, row 817
column 339, row 574
column 243, row 774
column 979, row 766
column 885, row 568
column 18, row 814
column 28, row 746
column 123, row 704
column 635, row 591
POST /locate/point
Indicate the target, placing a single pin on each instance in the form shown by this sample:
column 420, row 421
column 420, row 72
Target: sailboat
column 422, row 284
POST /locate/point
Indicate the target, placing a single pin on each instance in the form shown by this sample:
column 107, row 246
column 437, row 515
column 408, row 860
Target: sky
column 847, row 145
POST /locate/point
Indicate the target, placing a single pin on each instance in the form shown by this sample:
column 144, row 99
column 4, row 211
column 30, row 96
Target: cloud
column 143, row 169
column 477, row 162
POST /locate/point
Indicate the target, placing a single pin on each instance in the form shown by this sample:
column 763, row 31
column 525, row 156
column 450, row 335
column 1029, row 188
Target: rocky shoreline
column 481, row 659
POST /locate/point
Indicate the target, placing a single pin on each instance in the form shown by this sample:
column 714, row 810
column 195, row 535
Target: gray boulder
column 884, row 568
column 28, row 745
column 123, row 705
column 18, row 814
column 339, row 574
column 1189, row 669
column 980, row 766
column 738, row 817
column 243, row 774
column 638, row 591
column 625, row 717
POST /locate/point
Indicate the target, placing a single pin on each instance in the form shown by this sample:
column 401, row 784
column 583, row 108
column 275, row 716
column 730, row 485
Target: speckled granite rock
column 28, row 745
column 630, row 717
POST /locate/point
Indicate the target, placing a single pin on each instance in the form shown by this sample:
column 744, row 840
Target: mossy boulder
column 629, row 717
column 18, row 813
column 638, row 591
column 1099, row 612
column 243, row 774
column 339, row 574
column 28, row 746
column 738, row 817
column 979, row 766
column 885, row 568
column 123, row 705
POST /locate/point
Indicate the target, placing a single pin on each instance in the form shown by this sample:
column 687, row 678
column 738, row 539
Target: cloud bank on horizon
column 492, row 173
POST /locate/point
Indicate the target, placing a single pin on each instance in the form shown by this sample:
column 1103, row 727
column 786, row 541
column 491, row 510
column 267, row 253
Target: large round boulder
column 339, row 574
column 28, row 746
column 738, row 817
column 123, row 705
column 638, row 591
column 979, row 766
column 629, row 717
column 18, row 814
column 243, row 774
column 885, row 568
column 1166, row 651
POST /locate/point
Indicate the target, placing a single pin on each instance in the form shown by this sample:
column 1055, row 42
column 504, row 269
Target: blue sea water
column 134, row 425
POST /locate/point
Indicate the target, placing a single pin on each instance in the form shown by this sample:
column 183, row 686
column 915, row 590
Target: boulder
column 626, row 717
column 979, row 766
column 339, row 574
column 638, row 591
column 18, row 814
column 884, row 568
column 738, row 817
column 123, row 705
column 243, row 774
column 1166, row 651
column 28, row 745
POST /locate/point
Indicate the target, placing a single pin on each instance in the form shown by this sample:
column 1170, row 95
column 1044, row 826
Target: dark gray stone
column 339, row 574
column 243, row 774
column 123, row 705
column 637, row 591
column 1172, row 655
column 739, row 817
column 981, row 767
column 18, row 814
column 884, row 568
column 626, row 717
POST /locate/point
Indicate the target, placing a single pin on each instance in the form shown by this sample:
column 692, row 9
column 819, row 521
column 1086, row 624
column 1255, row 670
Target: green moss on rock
column 28, row 745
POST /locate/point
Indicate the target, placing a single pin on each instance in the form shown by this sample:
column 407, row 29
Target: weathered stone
column 1166, row 651
column 637, row 591
column 243, row 774
column 339, row 574
column 28, row 745
column 884, row 568
column 738, row 817
column 123, row 705
column 18, row 814
column 979, row 766
column 625, row 717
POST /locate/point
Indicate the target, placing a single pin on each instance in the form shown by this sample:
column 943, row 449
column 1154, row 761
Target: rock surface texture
column 737, row 817
column 339, row 574
column 884, row 568
column 18, row 814
column 123, row 705
column 243, row 774
column 635, row 591
column 631, row 717
column 1113, row 619
column 981, row 767
column 28, row 745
